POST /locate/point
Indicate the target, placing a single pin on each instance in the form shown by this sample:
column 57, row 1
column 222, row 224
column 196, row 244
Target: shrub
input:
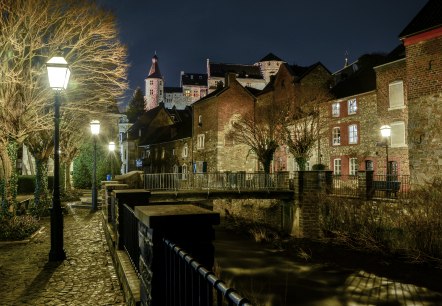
column 17, row 227
column 319, row 167
column 411, row 227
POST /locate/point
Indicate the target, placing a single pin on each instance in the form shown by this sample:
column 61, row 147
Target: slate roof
column 358, row 77
column 199, row 79
column 181, row 128
column 428, row 18
column 270, row 57
column 172, row 89
column 154, row 72
column 242, row 71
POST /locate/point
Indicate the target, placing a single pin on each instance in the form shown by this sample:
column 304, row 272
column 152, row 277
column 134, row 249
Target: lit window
column 353, row 166
column 398, row 134
column 185, row 150
column 337, row 166
column 336, row 136
column 396, row 94
column 336, row 109
column 352, row 106
column 200, row 141
column 187, row 92
column 353, row 133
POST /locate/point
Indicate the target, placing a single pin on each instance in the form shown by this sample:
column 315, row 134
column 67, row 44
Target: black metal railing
column 375, row 186
column 129, row 232
column 189, row 283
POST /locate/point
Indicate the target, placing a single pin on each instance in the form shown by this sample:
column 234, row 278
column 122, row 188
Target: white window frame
column 352, row 106
column 336, row 136
column 185, row 151
column 353, row 166
column 353, row 134
column 200, row 141
column 396, row 97
column 337, row 166
column 184, row 172
column 397, row 138
column 336, row 109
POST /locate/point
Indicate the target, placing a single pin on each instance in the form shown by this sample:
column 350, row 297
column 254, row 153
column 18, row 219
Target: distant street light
column 58, row 74
column 95, row 129
column 386, row 132
column 111, row 150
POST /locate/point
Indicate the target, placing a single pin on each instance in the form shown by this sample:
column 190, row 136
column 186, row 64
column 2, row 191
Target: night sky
column 184, row 33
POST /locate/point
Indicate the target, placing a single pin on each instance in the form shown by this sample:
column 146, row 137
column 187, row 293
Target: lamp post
column 58, row 74
column 95, row 129
column 111, row 150
column 386, row 132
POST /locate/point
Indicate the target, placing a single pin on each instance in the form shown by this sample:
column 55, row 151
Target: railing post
column 130, row 197
column 365, row 184
column 186, row 225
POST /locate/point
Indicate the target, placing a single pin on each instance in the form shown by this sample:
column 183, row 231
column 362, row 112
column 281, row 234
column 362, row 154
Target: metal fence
column 216, row 181
column 189, row 283
column 345, row 185
column 129, row 232
column 381, row 186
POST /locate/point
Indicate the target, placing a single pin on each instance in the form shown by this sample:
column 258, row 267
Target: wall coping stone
column 160, row 216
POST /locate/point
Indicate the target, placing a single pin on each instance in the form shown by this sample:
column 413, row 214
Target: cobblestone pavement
column 86, row 277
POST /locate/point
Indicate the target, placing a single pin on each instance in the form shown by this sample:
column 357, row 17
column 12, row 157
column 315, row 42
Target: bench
column 387, row 186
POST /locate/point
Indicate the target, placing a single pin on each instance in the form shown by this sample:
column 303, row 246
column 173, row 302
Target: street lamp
column 58, row 74
column 95, row 129
column 386, row 132
column 111, row 150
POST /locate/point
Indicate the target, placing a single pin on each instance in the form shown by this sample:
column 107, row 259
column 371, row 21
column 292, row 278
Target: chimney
column 230, row 77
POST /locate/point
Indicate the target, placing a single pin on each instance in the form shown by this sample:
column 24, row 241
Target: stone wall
column 424, row 71
column 265, row 211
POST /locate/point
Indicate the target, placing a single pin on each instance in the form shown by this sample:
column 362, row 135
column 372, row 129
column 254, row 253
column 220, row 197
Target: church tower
column 154, row 86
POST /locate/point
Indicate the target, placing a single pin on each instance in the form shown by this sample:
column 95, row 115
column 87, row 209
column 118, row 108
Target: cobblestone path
column 86, row 277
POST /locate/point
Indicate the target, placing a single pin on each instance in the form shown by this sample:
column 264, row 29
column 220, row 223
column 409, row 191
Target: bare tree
column 303, row 128
column 261, row 131
column 31, row 33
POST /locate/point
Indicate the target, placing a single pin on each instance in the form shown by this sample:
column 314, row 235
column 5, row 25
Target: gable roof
column 428, row 18
column 242, row 71
column 270, row 57
column 358, row 77
column 181, row 128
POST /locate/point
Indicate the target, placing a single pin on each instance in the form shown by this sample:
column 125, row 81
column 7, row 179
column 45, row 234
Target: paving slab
column 86, row 277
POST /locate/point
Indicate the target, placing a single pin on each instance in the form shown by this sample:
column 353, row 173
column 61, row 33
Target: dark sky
column 184, row 33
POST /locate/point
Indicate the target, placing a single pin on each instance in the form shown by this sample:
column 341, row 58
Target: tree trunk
column 302, row 162
column 41, row 193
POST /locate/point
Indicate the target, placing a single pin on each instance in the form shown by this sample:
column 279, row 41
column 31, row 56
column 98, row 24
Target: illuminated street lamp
column 58, row 74
column 111, row 150
column 95, row 129
column 386, row 132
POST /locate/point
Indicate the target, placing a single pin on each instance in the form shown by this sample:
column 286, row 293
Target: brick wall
column 385, row 75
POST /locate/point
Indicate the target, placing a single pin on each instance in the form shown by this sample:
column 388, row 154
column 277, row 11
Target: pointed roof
column 428, row 18
column 154, row 72
column 270, row 57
